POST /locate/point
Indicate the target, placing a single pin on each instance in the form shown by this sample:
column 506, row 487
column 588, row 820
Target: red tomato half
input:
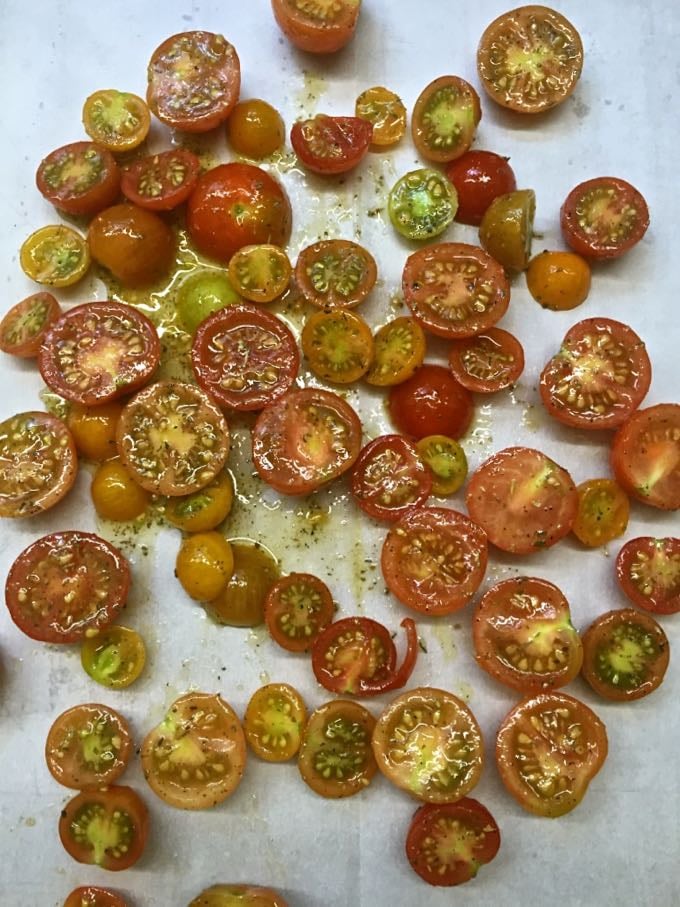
column 604, row 218
column 244, row 357
column 389, row 478
column 98, row 352
column 81, row 178
column 434, row 559
column 305, row 439
column 319, row 28
column 455, row 290
column 236, row 205
column 431, row 402
column 479, row 178
column 94, row 897
column 356, row 656
column 23, row 328
column 329, row 145
column 163, row 181
column 645, row 456
column 487, row 363
column 298, row 607
column 523, row 500
column 448, row 842
column 194, row 81
column 648, row 571
column 599, row 376
column 445, row 119
column 65, row 585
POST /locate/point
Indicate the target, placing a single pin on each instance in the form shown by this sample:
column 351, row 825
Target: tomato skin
column 114, row 805
column 331, row 145
column 204, row 566
column 236, row 205
column 255, row 129
column 446, row 460
column 648, row 573
column 324, row 34
column 506, row 230
column 386, row 112
column 135, row 245
column 305, row 439
column 194, row 80
column 422, row 204
column 242, row 603
column 434, row 559
column 522, row 499
column 77, row 194
column 244, row 357
column 23, row 328
column 205, row 509
column 479, row 177
column 46, row 579
column 599, row 376
column 558, row 280
column 591, row 233
column 38, row 463
column 70, row 750
column 260, row 273
column 430, row 402
column 389, row 478
column 115, row 494
column 298, row 607
column 487, row 363
column 98, row 352
column 473, row 829
column 94, row 897
column 161, row 182
column 94, row 429
column 335, row 273
column 565, row 736
column 435, row 136
column 645, row 456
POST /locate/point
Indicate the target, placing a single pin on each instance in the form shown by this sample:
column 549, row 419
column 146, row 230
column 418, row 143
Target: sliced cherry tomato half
column 479, row 177
column 81, row 178
column 173, row 438
column 523, row 500
column 399, row 349
column 455, row 290
column 422, row 204
column 107, row 828
column 98, row 352
column 599, row 377
column 204, row 509
column 336, row 759
column 331, row 145
column 338, row 346
column 23, row 328
column 55, row 256
column 389, row 478
column 274, row 720
column 298, row 607
column 194, row 81
column 428, row 743
column 244, row 357
column 548, row 750
column 335, row 274
column 448, row 842
column 117, row 120
column 238, row 896
column 434, row 560
column 445, row 119
column 38, row 463
column 255, row 129
column 507, row 228
column 305, row 439
column 161, row 182
column 88, row 746
column 134, row 244
column 66, row 586
column 356, row 656
column 530, row 59
column 559, row 281
column 625, row 655
column 431, row 400
column 603, row 511
column 90, row 896
column 488, row 362
column 115, row 657
column 648, row 572
column 236, row 205
column 260, row 273
column 242, row 603
column 319, row 28
column 385, row 111
column 604, row 218
column 645, row 456
column 195, row 758
column 523, row 635
column 446, row 460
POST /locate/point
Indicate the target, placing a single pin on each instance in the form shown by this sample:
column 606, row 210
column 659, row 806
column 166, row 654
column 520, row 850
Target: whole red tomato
column 236, row 205
column 431, row 402
column 479, row 178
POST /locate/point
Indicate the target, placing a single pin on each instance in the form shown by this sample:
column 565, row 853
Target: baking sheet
column 620, row 847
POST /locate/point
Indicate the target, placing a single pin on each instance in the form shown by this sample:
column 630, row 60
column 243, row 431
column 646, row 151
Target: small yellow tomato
column 205, row 509
column 447, row 462
column 559, row 280
column 115, row 657
column 116, row 495
column 205, row 564
column 118, row 120
column 255, row 129
column 385, row 110
column 55, row 256
column 603, row 511
column 241, row 604
column 94, row 429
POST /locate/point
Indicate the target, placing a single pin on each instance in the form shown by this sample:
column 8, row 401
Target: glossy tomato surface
column 238, row 896
column 489, row 362
column 431, row 401
column 645, row 456
column 648, row 572
column 161, row 181
column 88, row 746
column 81, row 178
column 604, row 218
column 23, row 328
column 298, row 607
column 134, row 244
column 445, row 119
column 479, row 178
column 389, row 478
column 331, row 145
column 318, row 28
column 91, row 896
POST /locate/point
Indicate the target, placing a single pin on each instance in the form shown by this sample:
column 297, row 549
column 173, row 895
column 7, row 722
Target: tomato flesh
column 55, row 256
column 446, row 460
column 335, row 273
column 118, row 120
column 385, row 111
column 331, row 145
column 603, row 510
column 297, row 609
column 81, row 178
column 238, row 896
column 94, row 897
column 338, row 345
column 645, row 456
column 115, row 658
column 389, row 478
column 422, row 204
column 274, row 721
column 260, row 273
column 88, row 746
column 23, row 328
column 604, row 218
column 445, row 119
column 317, row 27
column 648, row 572
column 399, row 350
column 487, row 363
column 162, row 181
